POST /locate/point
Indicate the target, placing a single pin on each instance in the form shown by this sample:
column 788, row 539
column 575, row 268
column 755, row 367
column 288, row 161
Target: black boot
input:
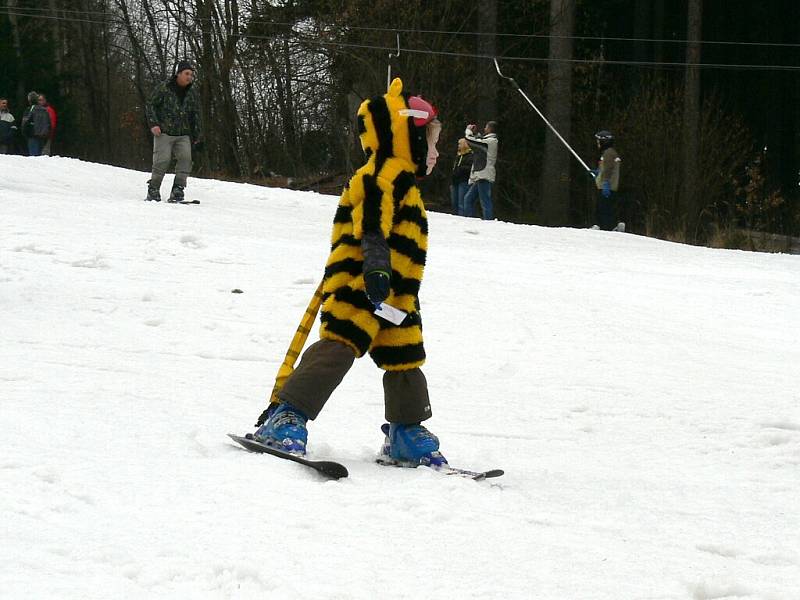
column 153, row 193
column 176, row 195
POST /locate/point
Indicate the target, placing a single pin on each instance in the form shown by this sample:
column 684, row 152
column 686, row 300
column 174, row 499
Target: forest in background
column 703, row 99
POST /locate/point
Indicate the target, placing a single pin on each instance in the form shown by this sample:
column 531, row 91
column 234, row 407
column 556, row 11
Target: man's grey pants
column 164, row 146
column 324, row 365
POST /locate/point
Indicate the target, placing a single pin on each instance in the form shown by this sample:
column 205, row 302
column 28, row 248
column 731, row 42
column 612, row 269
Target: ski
column 334, row 470
column 330, row 469
column 188, row 202
column 444, row 470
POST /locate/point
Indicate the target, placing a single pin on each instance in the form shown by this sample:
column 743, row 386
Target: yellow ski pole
column 295, row 348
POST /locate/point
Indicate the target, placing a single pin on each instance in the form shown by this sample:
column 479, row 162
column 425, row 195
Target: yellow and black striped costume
column 381, row 197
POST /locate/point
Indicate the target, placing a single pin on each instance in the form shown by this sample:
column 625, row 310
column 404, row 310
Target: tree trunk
column 642, row 30
column 557, row 159
column 691, row 199
column 12, row 18
column 162, row 60
column 658, row 30
column 289, row 129
column 57, row 46
column 487, row 46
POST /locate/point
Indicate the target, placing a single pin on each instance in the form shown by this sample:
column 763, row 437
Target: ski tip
column 332, row 469
column 326, row 468
column 492, row 473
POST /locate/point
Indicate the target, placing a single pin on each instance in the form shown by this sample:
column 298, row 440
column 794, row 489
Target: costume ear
column 396, row 88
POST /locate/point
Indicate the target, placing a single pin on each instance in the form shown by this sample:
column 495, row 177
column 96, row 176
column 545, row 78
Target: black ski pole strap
column 263, row 418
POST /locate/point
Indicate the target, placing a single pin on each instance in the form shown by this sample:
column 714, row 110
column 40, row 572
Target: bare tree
column 557, row 161
column 12, row 18
column 691, row 200
column 487, row 46
column 642, row 29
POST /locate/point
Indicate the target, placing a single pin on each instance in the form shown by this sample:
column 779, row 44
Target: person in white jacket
column 482, row 176
column 7, row 127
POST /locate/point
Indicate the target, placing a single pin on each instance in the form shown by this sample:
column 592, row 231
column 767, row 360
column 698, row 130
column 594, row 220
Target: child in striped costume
column 378, row 248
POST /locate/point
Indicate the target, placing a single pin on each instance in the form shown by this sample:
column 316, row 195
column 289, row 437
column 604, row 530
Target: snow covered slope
column 642, row 397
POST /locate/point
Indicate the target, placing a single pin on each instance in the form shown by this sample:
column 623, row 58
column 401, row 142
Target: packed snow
column 641, row 396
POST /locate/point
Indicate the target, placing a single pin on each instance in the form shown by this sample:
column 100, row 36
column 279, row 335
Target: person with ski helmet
column 607, row 182
column 378, row 249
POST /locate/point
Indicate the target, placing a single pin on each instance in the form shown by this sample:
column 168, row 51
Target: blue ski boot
column 410, row 446
column 284, row 430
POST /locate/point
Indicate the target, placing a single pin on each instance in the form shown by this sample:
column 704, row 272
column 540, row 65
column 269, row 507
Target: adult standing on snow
column 36, row 125
column 173, row 114
column 379, row 245
column 48, row 146
column 7, row 127
column 459, row 181
column 607, row 182
column 483, row 174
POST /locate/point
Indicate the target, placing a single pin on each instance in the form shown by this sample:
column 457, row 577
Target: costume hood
column 388, row 128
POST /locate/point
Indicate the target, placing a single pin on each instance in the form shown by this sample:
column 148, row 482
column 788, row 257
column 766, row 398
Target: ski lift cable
column 550, row 36
column 534, row 59
column 530, row 59
column 33, row 10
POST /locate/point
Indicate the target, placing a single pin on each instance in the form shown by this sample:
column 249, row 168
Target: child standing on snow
column 379, row 244
column 607, row 182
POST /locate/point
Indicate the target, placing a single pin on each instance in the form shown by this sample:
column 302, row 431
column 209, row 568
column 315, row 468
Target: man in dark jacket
column 36, row 125
column 7, row 127
column 173, row 114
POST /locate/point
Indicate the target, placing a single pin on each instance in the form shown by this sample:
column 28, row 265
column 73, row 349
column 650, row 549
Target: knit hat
column 183, row 65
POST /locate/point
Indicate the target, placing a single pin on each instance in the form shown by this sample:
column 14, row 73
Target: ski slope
column 642, row 397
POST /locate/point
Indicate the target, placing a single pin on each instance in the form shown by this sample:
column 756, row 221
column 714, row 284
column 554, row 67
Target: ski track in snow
column 641, row 396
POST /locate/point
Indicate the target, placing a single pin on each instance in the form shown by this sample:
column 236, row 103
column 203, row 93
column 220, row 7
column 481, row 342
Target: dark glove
column 198, row 146
column 606, row 189
column 378, row 284
column 593, row 172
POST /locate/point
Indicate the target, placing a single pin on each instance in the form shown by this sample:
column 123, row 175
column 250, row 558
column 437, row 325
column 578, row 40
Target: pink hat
column 422, row 111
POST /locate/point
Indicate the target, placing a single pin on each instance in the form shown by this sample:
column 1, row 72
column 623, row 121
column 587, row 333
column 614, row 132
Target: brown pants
column 324, row 365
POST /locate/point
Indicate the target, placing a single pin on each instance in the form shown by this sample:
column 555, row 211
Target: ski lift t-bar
column 389, row 68
column 553, row 129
